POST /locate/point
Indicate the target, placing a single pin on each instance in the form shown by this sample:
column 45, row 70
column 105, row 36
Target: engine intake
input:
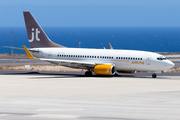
column 104, row 70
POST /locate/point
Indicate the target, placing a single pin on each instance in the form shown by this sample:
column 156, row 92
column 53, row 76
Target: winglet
column 28, row 53
column 110, row 47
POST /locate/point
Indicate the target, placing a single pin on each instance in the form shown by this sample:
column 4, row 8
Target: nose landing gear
column 154, row 75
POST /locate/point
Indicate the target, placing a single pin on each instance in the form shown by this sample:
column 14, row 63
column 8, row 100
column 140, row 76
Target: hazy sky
column 94, row 13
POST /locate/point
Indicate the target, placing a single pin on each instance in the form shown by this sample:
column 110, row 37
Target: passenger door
column 148, row 61
column 50, row 55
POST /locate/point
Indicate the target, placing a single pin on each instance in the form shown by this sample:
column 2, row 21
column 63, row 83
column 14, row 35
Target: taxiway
column 26, row 95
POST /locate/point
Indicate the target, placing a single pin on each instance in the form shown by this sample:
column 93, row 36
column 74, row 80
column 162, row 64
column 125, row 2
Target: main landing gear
column 154, row 75
column 88, row 73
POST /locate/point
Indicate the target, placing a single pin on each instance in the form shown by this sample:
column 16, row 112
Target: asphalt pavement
column 26, row 95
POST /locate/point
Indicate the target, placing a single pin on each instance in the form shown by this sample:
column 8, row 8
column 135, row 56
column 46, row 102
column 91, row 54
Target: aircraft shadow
column 80, row 74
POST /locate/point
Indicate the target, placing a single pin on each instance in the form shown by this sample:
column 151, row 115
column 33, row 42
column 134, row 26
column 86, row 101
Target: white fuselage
column 123, row 60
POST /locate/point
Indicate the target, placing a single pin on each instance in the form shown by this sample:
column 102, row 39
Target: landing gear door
column 148, row 61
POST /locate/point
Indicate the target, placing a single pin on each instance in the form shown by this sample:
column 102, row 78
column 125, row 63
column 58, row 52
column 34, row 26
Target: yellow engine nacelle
column 104, row 70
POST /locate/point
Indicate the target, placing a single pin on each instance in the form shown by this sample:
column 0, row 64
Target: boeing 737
column 99, row 61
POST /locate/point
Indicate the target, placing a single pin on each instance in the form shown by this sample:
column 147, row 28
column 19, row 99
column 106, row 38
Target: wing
column 71, row 63
column 75, row 64
column 68, row 63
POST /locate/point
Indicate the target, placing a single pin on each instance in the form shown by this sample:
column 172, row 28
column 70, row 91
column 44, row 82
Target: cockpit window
column 161, row 58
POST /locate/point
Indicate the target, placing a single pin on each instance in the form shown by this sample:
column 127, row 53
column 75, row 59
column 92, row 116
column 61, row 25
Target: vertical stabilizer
column 36, row 36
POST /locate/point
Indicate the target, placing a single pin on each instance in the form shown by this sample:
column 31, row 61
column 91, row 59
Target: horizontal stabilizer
column 14, row 48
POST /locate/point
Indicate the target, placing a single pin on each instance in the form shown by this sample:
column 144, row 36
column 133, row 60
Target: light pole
column 11, row 42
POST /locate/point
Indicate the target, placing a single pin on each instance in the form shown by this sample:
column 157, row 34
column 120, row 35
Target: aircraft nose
column 170, row 64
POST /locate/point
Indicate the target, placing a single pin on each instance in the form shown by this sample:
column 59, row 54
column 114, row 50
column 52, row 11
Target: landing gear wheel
column 88, row 73
column 154, row 76
column 116, row 74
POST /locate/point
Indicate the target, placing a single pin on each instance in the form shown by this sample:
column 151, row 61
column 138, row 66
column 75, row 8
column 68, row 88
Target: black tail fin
column 37, row 37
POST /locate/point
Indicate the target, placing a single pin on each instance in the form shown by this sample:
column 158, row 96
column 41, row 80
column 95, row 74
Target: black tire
column 116, row 74
column 88, row 73
column 154, row 75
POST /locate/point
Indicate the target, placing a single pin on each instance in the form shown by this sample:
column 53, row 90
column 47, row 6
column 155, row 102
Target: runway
column 26, row 95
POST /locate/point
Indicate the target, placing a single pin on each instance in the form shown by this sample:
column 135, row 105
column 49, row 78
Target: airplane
column 99, row 61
